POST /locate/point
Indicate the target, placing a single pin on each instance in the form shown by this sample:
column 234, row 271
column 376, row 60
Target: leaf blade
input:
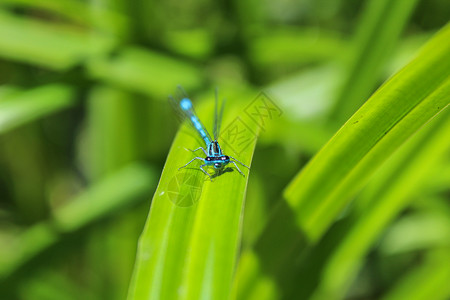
column 392, row 114
column 188, row 249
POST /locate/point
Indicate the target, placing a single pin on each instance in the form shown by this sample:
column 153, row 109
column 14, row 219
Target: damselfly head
column 221, row 162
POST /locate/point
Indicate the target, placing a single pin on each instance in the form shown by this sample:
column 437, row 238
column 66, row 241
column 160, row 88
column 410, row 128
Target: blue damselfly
column 214, row 155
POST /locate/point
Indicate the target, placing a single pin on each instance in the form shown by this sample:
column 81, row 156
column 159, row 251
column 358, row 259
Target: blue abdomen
column 186, row 106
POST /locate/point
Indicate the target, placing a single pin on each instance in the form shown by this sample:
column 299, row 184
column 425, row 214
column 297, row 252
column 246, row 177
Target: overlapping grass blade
column 399, row 108
column 111, row 194
column 428, row 281
column 189, row 246
column 317, row 196
column 145, row 71
column 76, row 11
column 23, row 107
column 52, row 46
column 378, row 32
column 401, row 179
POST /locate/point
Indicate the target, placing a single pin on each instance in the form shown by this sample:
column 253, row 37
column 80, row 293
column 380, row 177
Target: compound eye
column 208, row 158
column 225, row 157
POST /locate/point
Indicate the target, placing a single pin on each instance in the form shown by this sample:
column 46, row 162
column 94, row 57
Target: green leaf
column 431, row 228
column 51, row 285
column 112, row 130
column 145, row 71
column 195, row 43
column 53, row 46
column 117, row 191
column 398, row 181
column 378, row 32
column 428, row 281
column 190, row 243
column 76, row 11
column 24, row 107
column 401, row 106
column 287, row 46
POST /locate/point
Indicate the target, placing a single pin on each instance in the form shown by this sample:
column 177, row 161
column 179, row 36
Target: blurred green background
column 85, row 126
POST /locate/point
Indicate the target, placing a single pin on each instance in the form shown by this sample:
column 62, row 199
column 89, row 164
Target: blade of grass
column 145, row 71
column 27, row 106
column 122, row 188
column 52, row 285
column 49, row 45
column 113, row 126
column 318, row 194
column 401, row 180
column 379, row 29
column 195, row 43
column 7, row 91
column 401, row 106
column 428, row 281
column 76, row 11
column 189, row 245
column 293, row 47
column 112, row 130
column 431, row 229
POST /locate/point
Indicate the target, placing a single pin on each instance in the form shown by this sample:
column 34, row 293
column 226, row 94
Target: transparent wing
column 181, row 114
column 218, row 113
column 180, row 93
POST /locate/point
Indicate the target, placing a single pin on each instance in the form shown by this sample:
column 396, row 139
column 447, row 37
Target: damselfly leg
column 238, row 161
column 191, row 161
column 239, row 170
column 204, row 151
column 201, row 167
